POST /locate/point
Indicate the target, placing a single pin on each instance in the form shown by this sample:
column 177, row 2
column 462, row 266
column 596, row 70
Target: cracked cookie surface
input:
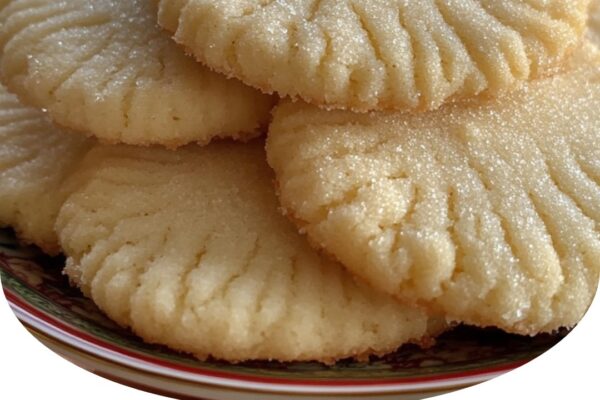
column 188, row 249
column 379, row 54
column 486, row 211
column 35, row 158
column 104, row 67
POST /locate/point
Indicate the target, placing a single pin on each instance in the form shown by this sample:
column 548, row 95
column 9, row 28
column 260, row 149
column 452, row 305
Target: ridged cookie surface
column 379, row 54
column 35, row 158
column 103, row 67
column 188, row 249
column 487, row 211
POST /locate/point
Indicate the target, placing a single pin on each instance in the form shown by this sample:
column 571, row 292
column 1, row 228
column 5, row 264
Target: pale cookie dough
column 104, row 67
column 188, row 249
column 486, row 211
column 35, row 158
column 379, row 54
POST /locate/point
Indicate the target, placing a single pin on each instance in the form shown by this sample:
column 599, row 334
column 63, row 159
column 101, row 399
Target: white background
column 29, row 370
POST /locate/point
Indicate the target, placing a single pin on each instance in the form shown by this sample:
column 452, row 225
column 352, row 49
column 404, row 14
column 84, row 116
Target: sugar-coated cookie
column 379, row 54
column 103, row 67
column 35, row 158
column 189, row 250
column 188, row 247
column 486, row 211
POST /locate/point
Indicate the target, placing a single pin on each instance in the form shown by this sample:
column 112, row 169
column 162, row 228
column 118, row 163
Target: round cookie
column 188, row 249
column 35, row 158
column 105, row 68
column 379, row 54
column 486, row 211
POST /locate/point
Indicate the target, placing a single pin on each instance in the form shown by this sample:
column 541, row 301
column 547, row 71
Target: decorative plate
column 61, row 318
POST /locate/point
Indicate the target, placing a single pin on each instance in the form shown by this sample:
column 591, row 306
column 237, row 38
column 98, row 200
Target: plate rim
column 75, row 338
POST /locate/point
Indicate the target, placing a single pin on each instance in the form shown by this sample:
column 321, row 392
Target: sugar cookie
column 379, row 54
column 105, row 68
column 487, row 211
column 35, row 158
column 188, row 249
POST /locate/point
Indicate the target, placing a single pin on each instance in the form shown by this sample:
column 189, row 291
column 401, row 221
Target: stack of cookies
column 427, row 164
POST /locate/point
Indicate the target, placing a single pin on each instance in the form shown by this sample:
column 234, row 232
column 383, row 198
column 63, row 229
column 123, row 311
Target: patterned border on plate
column 42, row 299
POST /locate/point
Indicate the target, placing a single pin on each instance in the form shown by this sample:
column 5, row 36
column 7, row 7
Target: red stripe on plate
column 16, row 300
